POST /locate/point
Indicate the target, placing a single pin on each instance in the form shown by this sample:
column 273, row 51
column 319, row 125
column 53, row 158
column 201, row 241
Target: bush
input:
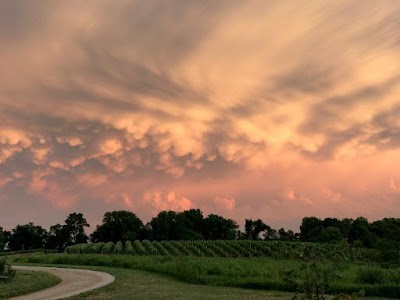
column 119, row 247
column 129, row 248
column 370, row 276
column 108, row 248
column 6, row 272
column 97, row 247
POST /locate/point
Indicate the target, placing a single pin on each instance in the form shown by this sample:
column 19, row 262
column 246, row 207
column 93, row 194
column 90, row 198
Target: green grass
column 255, row 273
column 26, row 282
column 141, row 285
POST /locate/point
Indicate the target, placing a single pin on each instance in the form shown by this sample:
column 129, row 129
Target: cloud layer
column 256, row 109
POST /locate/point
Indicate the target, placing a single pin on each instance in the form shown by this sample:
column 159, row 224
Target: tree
column 271, row 234
column 118, row 226
column 330, row 235
column 58, row 237
column 170, row 225
column 189, row 225
column 2, row 239
column 7, row 238
column 310, row 229
column 218, row 228
column 163, row 226
column 359, row 231
column 75, row 226
column 387, row 229
column 286, row 235
column 254, row 228
column 29, row 236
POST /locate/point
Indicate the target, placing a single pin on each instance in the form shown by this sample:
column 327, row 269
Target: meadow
column 26, row 282
column 258, row 273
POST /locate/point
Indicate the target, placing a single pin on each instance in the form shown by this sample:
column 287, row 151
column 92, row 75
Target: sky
column 247, row 109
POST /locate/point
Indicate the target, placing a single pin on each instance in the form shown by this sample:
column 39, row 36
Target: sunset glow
column 248, row 109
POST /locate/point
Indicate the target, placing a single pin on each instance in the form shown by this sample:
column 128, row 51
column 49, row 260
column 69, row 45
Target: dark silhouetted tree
column 310, row 229
column 118, row 226
column 253, row 229
column 218, row 228
column 2, row 239
column 75, row 226
column 26, row 237
column 359, row 232
column 163, row 226
column 286, row 235
column 58, row 237
column 330, row 235
column 189, row 225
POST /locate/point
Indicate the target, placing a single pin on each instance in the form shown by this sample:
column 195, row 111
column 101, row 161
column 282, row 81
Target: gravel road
column 74, row 282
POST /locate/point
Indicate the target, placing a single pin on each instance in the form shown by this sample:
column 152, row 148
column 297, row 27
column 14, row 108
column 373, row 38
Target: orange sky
column 249, row 109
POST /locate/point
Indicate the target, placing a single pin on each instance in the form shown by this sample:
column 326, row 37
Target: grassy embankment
column 255, row 273
column 26, row 282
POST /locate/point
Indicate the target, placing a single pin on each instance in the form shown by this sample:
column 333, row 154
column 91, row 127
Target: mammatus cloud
column 257, row 109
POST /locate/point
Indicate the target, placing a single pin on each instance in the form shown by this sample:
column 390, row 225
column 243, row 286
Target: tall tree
column 330, row 234
column 58, row 237
column 75, row 226
column 387, row 229
column 26, row 237
column 286, row 235
column 254, row 228
column 360, row 233
column 189, row 225
column 2, row 239
column 218, row 228
column 163, row 226
column 310, row 229
column 118, row 226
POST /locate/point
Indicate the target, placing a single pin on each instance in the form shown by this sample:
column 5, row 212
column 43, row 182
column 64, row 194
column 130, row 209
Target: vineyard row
column 242, row 248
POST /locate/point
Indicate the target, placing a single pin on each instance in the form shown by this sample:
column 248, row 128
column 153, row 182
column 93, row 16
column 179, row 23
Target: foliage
column 316, row 275
column 25, row 237
column 118, row 226
column 129, row 248
column 218, row 228
column 370, row 275
column 311, row 280
column 58, row 237
column 26, row 282
column 255, row 273
column 253, row 229
column 2, row 239
column 358, row 232
column 231, row 248
column 7, row 273
column 75, row 227
column 119, row 247
column 108, row 248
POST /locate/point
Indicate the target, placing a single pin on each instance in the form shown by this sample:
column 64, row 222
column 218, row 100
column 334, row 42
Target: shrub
column 108, row 248
column 138, row 248
column 119, row 247
column 6, row 272
column 129, row 248
column 370, row 276
column 97, row 247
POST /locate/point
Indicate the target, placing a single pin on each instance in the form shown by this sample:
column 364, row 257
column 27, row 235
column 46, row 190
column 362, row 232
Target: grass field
column 26, row 282
column 141, row 285
column 255, row 273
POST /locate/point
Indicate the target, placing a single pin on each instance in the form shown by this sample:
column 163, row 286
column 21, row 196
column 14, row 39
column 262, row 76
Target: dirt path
column 74, row 282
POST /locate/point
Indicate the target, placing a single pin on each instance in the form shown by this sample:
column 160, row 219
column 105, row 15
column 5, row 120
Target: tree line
column 192, row 225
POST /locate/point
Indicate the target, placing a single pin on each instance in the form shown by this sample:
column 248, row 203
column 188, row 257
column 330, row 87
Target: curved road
column 74, row 282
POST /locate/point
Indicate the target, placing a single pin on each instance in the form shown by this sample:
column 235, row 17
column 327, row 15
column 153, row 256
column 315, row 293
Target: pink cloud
column 102, row 110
